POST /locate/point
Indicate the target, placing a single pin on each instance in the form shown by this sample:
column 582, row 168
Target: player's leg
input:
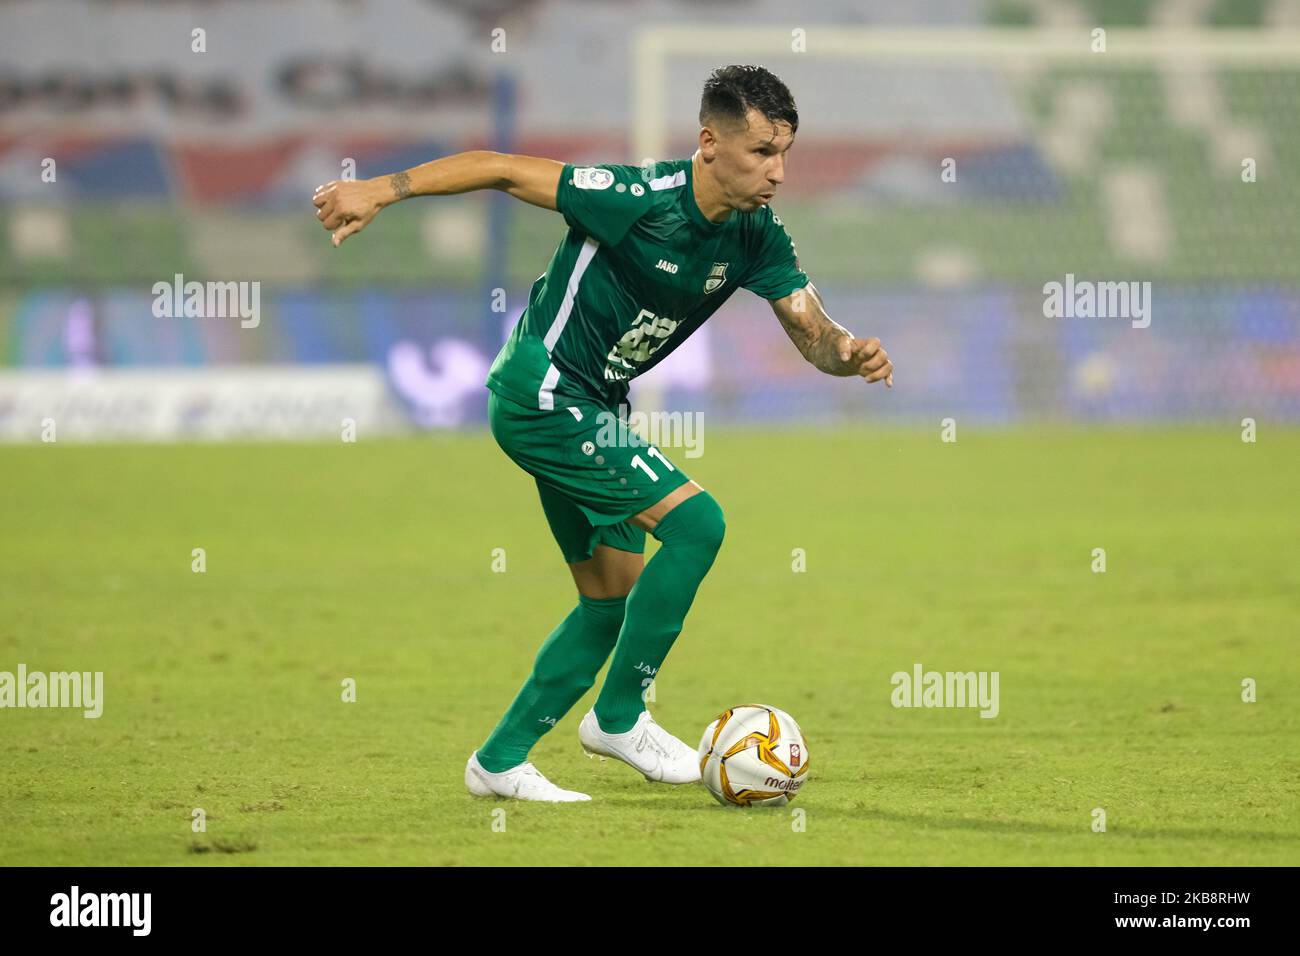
column 571, row 656
column 608, row 573
column 605, row 563
column 597, row 491
column 689, row 526
column 650, row 517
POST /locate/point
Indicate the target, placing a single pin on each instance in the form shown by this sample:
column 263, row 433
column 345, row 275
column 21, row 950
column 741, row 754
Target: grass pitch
column 1120, row 690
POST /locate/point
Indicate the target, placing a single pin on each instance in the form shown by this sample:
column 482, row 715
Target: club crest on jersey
column 589, row 177
column 717, row 276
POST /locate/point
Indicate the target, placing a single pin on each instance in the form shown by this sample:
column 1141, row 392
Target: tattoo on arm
column 401, row 183
column 815, row 334
column 825, row 352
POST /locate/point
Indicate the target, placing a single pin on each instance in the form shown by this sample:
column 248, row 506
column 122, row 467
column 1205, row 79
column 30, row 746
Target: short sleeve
column 602, row 201
column 775, row 271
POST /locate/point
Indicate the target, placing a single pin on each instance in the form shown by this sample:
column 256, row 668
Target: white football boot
column 647, row 747
column 523, row 782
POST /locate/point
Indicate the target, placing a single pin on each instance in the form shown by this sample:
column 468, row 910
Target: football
column 753, row 755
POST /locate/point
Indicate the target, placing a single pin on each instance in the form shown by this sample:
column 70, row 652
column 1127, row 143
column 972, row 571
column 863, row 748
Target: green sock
column 691, row 535
column 565, row 669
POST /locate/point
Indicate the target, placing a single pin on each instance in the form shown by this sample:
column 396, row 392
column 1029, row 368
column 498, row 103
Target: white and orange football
column 753, row 755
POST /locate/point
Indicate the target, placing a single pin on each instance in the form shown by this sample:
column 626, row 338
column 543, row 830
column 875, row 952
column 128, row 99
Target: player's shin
column 690, row 534
column 565, row 669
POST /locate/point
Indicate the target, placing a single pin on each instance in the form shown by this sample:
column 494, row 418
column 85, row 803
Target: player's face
column 750, row 162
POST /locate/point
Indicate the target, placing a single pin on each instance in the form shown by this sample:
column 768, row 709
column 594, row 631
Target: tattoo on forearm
column 401, row 183
column 826, row 352
column 816, row 334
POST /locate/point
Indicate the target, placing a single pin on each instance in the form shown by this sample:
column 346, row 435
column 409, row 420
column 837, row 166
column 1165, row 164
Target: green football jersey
column 639, row 270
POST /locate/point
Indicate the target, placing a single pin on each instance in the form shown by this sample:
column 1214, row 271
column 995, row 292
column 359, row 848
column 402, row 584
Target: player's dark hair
column 730, row 91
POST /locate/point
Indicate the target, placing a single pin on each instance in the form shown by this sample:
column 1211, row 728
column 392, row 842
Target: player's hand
column 346, row 206
column 868, row 359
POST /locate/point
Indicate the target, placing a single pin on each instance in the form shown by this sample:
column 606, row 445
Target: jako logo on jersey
column 547, row 720
column 717, row 276
column 795, row 756
column 589, row 177
column 667, row 266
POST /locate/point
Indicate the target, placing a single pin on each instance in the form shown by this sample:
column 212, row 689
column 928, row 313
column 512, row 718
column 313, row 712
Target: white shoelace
column 648, row 737
column 528, row 770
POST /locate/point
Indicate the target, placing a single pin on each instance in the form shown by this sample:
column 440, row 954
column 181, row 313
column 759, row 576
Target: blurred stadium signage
column 282, row 402
column 251, row 76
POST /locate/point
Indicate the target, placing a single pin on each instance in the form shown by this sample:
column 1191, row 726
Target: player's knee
column 698, row 520
column 715, row 525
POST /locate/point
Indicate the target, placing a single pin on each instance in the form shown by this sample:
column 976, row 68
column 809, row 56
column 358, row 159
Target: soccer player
column 651, row 252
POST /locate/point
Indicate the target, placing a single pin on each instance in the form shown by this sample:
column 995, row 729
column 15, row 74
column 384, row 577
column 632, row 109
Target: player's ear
column 708, row 142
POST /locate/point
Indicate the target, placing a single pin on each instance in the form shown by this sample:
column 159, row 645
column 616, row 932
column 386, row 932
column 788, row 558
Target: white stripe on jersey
column 588, row 252
column 668, row 182
column 545, row 399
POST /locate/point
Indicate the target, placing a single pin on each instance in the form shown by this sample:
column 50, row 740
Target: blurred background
column 953, row 158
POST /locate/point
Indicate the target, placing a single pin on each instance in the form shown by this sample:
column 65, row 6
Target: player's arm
column 345, row 207
column 825, row 343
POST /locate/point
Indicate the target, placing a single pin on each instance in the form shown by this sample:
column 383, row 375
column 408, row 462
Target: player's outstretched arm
column 827, row 344
column 345, row 207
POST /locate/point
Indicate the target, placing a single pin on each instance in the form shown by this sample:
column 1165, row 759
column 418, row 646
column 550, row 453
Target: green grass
column 373, row 561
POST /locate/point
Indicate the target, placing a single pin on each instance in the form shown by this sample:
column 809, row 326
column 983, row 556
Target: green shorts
column 592, row 473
